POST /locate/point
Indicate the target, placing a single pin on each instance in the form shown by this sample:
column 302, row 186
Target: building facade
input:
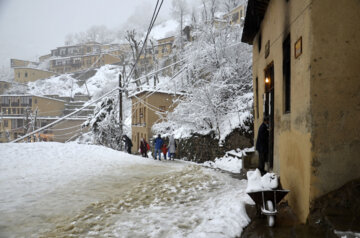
column 4, row 86
column 21, row 114
column 305, row 77
column 147, row 108
column 26, row 74
column 69, row 59
column 235, row 15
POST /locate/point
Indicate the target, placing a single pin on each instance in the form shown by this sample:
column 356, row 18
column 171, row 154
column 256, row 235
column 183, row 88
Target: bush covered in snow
column 104, row 124
column 219, row 94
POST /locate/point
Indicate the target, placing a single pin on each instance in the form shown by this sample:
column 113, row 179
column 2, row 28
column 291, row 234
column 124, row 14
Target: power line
column 61, row 119
column 153, row 19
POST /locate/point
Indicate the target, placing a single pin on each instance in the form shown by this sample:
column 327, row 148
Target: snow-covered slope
column 65, row 85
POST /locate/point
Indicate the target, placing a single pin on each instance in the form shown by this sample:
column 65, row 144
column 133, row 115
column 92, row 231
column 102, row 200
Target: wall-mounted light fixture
column 267, row 80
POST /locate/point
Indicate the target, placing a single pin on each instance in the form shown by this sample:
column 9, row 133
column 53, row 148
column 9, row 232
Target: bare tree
column 95, row 33
column 180, row 8
column 155, row 61
column 135, row 50
column 69, row 39
column 230, row 4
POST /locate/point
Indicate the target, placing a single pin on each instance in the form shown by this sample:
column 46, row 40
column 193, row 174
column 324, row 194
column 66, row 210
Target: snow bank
column 230, row 162
column 257, row 183
column 227, row 163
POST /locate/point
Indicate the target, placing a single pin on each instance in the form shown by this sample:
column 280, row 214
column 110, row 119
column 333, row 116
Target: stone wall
column 200, row 148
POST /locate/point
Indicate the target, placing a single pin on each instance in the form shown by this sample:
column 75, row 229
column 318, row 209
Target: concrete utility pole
column 120, row 111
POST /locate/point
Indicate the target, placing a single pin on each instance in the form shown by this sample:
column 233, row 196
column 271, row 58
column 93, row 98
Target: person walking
column 143, row 147
column 164, row 150
column 158, row 144
column 172, row 147
column 128, row 143
column 262, row 144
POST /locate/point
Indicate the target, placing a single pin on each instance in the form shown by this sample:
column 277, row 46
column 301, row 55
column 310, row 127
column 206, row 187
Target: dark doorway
column 269, row 108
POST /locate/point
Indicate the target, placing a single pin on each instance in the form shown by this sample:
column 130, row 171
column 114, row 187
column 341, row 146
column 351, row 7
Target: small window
column 6, row 123
column 287, row 74
column 26, row 74
column 18, row 75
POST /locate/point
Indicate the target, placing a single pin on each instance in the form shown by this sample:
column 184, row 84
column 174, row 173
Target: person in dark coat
column 262, row 144
column 158, row 144
column 143, row 147
column 128, row 143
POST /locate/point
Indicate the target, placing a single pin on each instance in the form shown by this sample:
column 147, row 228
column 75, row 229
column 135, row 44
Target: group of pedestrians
column 159, row 147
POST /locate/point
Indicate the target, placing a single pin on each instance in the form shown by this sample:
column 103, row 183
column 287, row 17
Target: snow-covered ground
column 65, row 190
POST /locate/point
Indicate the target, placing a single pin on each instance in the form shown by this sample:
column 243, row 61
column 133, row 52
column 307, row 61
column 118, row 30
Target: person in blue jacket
column 158, row 144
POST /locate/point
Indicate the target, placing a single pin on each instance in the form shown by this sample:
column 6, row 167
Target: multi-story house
column 21, row 63
column 147, row 105
column 306, row 58
column 27, row 74
column 235, row 15
column 20, row 114
column 156, row 54
column 68, row 59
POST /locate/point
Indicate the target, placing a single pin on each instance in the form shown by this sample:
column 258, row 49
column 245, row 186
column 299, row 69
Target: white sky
column 31, row 28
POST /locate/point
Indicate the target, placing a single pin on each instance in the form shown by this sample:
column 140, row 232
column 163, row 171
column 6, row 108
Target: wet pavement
column 286, row 226
column 286, row 223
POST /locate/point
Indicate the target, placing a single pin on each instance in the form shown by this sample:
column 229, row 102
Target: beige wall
column 292, row 134
column 317, row 144
column 141, row 126
column 23, row 75
column 87, row 61
column 19, row 63
column 4, row 86
column 335, row 87
column 47, row 106
column 66, row 130
column 44, row 57
column 235, row 15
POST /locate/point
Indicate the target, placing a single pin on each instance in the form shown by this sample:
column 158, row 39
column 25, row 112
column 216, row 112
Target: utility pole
column 120, row 111
column 34, row 123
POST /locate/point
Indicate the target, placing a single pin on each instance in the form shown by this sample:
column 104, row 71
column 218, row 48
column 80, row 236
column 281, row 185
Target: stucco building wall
column 292, row 131
column 23, row 75
column 316, row 144
column 335, row 94
column 153, row 103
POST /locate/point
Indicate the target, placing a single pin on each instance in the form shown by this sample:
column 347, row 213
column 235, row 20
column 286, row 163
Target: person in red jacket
column 164, row 150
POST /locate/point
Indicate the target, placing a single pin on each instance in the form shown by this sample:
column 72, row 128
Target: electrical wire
column 153, row 19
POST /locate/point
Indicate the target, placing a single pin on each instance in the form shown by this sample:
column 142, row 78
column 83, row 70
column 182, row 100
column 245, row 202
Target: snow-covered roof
column 30, row 95
column 47, row 117
column 34, row 69
column 156, row 91
column 164, row 29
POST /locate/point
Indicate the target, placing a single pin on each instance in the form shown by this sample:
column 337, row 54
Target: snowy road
column 72, row 190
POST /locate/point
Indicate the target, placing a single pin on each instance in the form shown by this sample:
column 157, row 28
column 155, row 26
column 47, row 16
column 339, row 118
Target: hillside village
column 40, row 93
column 282, row 71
